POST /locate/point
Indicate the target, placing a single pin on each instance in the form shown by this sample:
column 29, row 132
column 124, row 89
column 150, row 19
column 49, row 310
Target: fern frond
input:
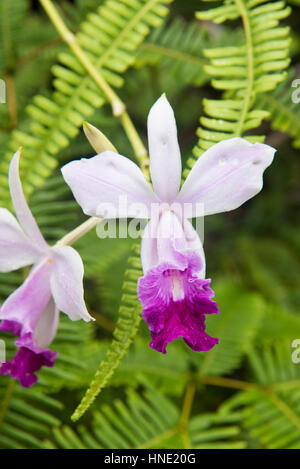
column 55, row 213
column 8, row 283
column 278, row 324
column 111, row 257
column 12, row 13
column 125, row 331
column 150, row 421
column 271, row 414
column 272, row 364
column 178, row 49
column 270, row 265
column 243, row 72
column 284, row 113
column 170, row 373
column 109, row 37
column 236, row 327
column 26, row 416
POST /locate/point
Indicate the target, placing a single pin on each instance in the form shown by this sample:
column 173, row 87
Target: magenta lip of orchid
column 173, row 291
column 55, row 283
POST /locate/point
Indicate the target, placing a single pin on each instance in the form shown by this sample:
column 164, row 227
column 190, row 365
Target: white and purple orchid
column 173, row 291
column 54, row 284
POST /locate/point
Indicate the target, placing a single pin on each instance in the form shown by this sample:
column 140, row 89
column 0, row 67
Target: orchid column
column 174, row 292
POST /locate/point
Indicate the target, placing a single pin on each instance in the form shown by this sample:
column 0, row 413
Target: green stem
column 78, row 232
column 118, row 107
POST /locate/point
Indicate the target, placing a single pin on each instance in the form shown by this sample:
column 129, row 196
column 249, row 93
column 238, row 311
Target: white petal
column 149, row 254
column 67, row 283
column 109, row 185
column 47, row 326
column 194, row 244
column 165, row 159
column 16, row 250
column 26, row 304
column 22, row 210
column 163, row 241
column 171, row 240
column 226, row 176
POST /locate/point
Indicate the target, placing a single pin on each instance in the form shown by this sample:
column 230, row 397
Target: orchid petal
column 21, row 207
column 226, row 176
column 67, row 283
column 162, row 241
column 169, row 241
column 109, row 185
column 194, row 243
column 165, row 159
column 16, row 249
column 47, row 326
column 149, row 254
column 24, row 307
column 175, row 303
column 29, row 359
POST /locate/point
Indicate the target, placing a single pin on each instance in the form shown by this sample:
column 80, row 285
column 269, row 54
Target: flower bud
column 97, row 139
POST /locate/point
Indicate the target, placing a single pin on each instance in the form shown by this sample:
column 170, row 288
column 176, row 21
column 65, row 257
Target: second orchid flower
column 54, row 284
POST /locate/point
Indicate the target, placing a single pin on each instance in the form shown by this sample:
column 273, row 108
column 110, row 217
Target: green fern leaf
column 125, row 331
column 271, row 414
column 149, row 421
column 284, row 113
column 236, row 327
column 243, row 72
column 170, row 373
column 177, row 48
column 109, row 37
column 26, row 416
column 11, row 14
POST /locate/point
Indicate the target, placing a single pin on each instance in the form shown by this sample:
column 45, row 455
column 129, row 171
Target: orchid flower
column 54, row 284
column 173, row 291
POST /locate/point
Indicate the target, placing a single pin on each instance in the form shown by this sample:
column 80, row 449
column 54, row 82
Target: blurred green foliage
column 244, row 393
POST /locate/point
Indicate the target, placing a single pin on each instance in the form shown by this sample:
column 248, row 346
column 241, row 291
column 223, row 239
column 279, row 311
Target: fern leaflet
column 125, row 331
column 109, row 37
column 243, row 72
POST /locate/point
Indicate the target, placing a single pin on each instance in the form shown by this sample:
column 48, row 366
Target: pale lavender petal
column 163, row 240
column 25, row 306
column 47, row 325
column 194, row 243
column 149, row 254
column 22, row 210
column 167, row 239
column 109, row 185
column 21, row 315
column 226, row 176
column 16, row 249
column 171, row 241
column 67, row 283
column 165, row 159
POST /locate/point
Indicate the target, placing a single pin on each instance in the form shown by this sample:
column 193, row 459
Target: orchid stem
column 78, row 232
column 118, row 107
